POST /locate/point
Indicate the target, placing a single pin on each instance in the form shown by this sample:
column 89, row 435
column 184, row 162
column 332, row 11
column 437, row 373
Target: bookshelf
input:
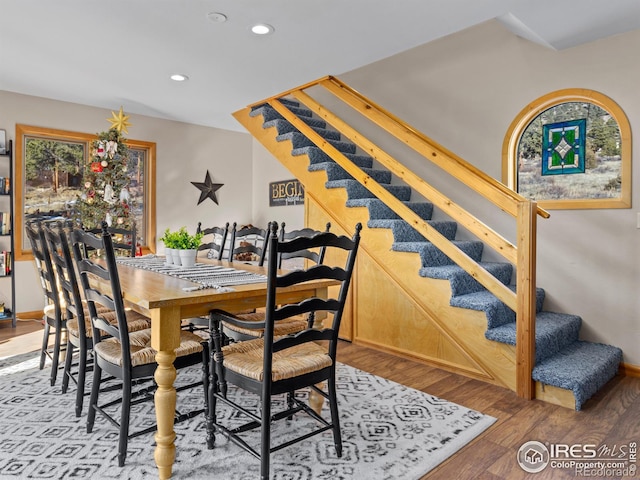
column 7, row 279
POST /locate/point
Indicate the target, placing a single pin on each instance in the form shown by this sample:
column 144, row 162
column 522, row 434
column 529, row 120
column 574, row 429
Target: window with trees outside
column 49, row 170
column 570, row 149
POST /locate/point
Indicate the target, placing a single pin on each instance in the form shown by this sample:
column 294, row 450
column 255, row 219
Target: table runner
column 205, row 275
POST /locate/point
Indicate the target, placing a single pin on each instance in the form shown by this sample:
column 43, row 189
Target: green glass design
column 563, row 147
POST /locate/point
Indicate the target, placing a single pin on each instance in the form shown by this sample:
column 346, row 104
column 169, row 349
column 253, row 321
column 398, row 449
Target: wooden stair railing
column 524, row 211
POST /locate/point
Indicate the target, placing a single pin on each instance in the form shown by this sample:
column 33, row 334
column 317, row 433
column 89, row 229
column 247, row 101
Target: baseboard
column 35, row 315
column 629, row 370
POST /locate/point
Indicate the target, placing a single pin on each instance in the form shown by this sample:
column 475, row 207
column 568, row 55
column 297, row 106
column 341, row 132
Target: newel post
column 526, row 299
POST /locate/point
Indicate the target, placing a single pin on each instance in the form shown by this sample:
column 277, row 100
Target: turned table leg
column 165, row 338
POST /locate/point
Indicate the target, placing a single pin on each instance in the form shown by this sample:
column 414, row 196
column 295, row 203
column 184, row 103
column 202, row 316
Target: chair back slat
column 313, row 304
column 315, row 272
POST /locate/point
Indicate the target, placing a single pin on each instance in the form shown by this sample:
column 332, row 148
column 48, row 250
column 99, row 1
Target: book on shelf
column 5, row 223
column 5, row 263
column 5, row 185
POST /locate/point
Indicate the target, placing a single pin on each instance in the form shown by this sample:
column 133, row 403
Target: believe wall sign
column 286, row 192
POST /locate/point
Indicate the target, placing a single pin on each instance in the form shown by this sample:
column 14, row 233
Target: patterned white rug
column 389, row 432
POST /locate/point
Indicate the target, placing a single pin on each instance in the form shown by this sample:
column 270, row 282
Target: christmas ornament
column 109, row 197
column 125, row 196
column 96, row 167
column 119, row 122
column 207, row 189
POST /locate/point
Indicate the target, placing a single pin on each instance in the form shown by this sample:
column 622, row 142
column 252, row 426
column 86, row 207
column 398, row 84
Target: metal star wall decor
column 207, row 189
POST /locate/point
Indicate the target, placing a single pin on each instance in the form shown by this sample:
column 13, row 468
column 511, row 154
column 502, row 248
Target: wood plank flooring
column 611, row 418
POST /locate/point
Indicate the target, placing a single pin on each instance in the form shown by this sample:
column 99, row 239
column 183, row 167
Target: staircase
column 565, row 370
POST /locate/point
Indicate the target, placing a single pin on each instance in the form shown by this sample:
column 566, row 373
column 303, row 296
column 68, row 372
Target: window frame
column 544, row 103
column 22, row 131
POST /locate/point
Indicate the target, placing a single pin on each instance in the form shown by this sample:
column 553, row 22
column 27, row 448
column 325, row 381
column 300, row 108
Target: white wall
column 464, row 90
column 267, row 169
column 184, row 153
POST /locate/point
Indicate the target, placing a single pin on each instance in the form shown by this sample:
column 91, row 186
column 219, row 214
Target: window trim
column 23, row 131
column 569, row 95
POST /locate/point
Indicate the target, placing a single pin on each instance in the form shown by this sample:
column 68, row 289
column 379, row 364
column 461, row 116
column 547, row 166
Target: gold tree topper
column 120, row 122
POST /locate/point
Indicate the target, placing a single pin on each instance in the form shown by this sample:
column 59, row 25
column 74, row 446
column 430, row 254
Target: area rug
column 389, row 432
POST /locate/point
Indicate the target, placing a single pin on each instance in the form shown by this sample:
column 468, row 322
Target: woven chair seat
column 50, row 312
column 246, row 358
column 135, row 321
column 141, row 351
column 282, row 327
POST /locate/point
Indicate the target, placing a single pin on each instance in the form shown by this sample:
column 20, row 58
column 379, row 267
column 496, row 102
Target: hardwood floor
column 611, row 418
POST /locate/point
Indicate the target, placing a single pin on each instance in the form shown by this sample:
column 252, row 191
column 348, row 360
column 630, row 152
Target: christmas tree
column 105, row 195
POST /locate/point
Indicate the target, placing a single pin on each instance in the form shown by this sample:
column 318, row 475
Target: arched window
column 570, row 149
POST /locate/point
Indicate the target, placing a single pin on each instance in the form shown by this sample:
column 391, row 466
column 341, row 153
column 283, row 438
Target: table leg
column 165, row 338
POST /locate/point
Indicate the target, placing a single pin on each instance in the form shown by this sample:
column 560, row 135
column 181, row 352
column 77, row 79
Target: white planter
column 187, row 257
column 171, row 257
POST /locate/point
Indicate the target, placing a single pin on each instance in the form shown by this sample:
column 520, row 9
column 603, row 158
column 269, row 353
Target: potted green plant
column 187, row 246
column 170, row 240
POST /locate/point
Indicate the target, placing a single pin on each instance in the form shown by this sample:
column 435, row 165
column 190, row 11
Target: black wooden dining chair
column 281, row 365
column 123, row 355
column 289, row 259
column 315, row 256
column 124, row 240
column 214, row 242
column 54, row 318
column 76, row 313
column 248, row 244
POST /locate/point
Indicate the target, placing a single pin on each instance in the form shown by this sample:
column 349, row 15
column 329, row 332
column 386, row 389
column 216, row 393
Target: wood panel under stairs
column 394, row 309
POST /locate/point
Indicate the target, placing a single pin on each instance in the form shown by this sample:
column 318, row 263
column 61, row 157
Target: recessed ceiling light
column 217, row 17
column 179, row 77
column 262, row 29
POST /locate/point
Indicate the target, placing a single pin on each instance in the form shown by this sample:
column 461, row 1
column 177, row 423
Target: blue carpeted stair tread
column 432, row 256
column 561, row 359
column 316, row 155
column 298, row 140
column 269, row 114
column 554, row 331
column 356, row 190
column 379, row 211
column 582, row 367
column 403, row 232
column 336, row 172
column 461, row 282
column 283, row 126
column 497, row 312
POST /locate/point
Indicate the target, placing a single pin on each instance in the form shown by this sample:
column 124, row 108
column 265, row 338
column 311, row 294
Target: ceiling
column 121, row 52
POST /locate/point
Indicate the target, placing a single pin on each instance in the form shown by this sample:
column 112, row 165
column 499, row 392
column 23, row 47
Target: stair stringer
column 489, row 361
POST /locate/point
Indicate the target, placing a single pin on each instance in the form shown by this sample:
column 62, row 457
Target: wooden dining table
column 167, row 300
